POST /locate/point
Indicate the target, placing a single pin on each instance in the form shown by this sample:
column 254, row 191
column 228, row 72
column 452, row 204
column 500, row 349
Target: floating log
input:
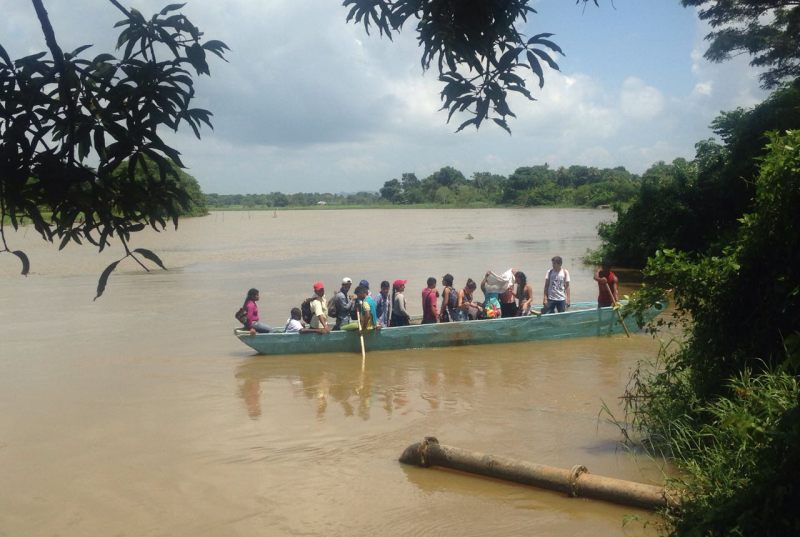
column 576, row 482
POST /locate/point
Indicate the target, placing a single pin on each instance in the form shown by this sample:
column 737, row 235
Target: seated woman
column 524, row 294
column 466, row 308
column 253, row 324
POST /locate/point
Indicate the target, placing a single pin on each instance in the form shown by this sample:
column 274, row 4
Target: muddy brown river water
column 140, row 414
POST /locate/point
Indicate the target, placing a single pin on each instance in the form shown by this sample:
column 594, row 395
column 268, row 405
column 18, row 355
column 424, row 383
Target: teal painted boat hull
column 591, row 321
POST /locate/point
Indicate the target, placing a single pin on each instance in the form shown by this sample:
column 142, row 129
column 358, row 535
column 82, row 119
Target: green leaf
column 536, row 68
column 26, row 265
column 171, row 7
column 5, row 56
column 502, row 123
column 537, row 37
column 151, row 256
column 79, row 50
column 99, row 141
column 508, row 58
column 550, row 45
column 546, row 57
column 103, row 58
column 471, row 121
column 101, row 283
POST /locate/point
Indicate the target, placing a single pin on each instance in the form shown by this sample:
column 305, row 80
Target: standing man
column 344, row 304
column 319, row 308
column 430, row 312
column 556, row 288
column 382, row 303
column 606, row 285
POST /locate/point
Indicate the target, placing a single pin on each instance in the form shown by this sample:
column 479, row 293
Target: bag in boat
column 241, row 315
column 305, row 309
column 332, row 307
column 499, row 283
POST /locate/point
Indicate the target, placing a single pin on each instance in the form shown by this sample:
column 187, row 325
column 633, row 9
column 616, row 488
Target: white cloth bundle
column 499, row 283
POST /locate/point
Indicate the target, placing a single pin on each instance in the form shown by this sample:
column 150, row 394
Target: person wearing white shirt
column 556, row 288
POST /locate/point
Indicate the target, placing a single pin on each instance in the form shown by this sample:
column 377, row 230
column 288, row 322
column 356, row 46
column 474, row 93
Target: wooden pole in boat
column 576, row 482
column 616, row 308
column 361, row 336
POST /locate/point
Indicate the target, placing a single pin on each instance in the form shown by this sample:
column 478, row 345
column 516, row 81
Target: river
column 140, row 414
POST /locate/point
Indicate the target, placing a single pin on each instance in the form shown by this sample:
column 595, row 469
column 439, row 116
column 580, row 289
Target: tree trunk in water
column 576, row 482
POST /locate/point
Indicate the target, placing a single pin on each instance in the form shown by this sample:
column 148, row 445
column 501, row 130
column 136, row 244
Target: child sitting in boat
column 295, row 325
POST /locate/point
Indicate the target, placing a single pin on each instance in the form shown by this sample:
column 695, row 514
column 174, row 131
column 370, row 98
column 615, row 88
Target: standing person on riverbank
column 400, row 316
column 607, row 285
column 556, row 288
column 430, row 312
column 319, row 308
column 251, row 308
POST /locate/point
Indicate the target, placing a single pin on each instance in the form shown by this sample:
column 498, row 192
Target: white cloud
column 310, row 103
column 703, row 89
column 639, row 101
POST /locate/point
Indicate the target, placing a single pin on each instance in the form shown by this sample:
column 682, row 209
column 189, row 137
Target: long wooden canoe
column 582, row 320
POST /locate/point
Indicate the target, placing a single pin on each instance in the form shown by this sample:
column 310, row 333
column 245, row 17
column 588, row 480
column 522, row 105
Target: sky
column 308, row 103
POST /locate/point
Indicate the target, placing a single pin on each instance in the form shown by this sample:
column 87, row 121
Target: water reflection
column 341, row 382
column 396, row 382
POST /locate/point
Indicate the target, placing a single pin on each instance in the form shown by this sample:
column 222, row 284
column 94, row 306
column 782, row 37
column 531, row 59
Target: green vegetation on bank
column 721, row 232
column 695, row 206
column 575, row 186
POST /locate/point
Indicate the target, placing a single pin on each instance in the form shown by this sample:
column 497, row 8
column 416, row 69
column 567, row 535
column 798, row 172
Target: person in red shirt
column 607, row 284
column 430, row 312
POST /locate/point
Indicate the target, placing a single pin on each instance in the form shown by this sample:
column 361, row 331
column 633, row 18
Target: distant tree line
column 279, row 199
column 576, row 186
column 696, row 206
column 528, row 186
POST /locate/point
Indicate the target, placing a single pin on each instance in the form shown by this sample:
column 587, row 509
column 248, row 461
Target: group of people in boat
column 505, row 295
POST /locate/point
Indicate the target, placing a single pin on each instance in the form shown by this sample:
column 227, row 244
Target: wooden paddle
column 614, row 301
column 361, row 336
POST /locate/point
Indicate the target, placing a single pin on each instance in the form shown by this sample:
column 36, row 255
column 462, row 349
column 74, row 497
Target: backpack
column 452, row 299
column 305, row 309
column 332, row 307
column 241, row 315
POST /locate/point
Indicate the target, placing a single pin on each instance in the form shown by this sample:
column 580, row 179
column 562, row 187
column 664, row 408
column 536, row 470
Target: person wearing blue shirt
column 367, row 309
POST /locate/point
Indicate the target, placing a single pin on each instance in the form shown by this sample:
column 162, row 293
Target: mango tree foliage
column 769, row 31
column 475, row 46
column 76, row 130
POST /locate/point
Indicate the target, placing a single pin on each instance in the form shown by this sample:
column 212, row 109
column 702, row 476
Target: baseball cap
column 346, row 280
column 365, row 283
column 398, row 283
column 318, row 286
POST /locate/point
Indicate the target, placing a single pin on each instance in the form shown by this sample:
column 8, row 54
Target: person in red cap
column 400, row 316
column 319, row 308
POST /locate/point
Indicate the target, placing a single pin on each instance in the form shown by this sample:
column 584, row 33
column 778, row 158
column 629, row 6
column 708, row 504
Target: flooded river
column 140, row 414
